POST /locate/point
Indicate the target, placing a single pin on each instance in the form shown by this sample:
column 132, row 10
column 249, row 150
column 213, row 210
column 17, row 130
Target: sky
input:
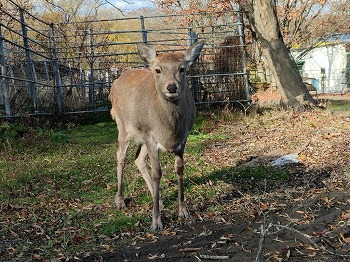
column 131, row 4
column 125, row 6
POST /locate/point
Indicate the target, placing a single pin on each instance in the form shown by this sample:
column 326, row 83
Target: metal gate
column 49, row 68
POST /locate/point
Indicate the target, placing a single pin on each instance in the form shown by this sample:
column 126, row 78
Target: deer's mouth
column 172, row 91
column 171, row 96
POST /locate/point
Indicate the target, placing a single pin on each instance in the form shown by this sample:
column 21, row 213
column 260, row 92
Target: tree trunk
column 264, row 24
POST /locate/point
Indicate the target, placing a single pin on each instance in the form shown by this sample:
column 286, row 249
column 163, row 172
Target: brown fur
column 155, row 108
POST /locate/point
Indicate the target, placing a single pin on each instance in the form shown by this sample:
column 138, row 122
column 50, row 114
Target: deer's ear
column 193, row 52
column 147, row 53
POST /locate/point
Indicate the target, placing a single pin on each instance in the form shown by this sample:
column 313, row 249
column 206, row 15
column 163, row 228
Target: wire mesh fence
column 49, row 68
column 26, row 64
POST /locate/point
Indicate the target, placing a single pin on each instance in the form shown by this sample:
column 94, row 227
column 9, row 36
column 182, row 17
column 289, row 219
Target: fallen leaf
column 86, row 182
column 150, row 256
column 168, row 233
column 11, row 250
column 80, row 239
column 345, row 239
column 346, row 214
column 263, row 207
column 107, row 247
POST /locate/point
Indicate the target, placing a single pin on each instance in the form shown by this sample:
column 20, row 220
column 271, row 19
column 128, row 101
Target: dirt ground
column 238, row 239
column 272, row 96
column 303, row 218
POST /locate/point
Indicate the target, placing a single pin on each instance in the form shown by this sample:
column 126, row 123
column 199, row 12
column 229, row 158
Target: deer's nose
column 172, row 88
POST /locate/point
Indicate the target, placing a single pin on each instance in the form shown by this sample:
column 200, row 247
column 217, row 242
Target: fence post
column 4, row 81
column 91, row 78
column 143, row 28
column 193, row 38
column 56, row 70
column 30, row 82
column 241, row 41
column 82, row 80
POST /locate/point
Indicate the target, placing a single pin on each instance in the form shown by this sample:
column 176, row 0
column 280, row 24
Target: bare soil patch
column 271, row 96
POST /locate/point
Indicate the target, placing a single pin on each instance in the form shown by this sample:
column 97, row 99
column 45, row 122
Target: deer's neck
column 175, row 122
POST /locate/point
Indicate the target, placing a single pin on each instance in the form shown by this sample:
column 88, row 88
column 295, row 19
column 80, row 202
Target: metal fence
column 49, row 68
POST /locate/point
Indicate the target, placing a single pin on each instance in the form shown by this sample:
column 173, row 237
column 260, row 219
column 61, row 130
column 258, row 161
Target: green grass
column 63, row 181
column 340, row 105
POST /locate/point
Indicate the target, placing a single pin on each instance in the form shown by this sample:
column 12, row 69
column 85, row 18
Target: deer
column 154, row 107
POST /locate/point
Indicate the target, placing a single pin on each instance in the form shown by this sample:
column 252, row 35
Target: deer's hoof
column 119, row 202
column 183, row 212
column 156, row 227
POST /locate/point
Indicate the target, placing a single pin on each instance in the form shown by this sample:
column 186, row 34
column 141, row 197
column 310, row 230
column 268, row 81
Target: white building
column 327, row 66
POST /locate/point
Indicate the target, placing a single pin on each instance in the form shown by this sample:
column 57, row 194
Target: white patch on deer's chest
column 163, row 148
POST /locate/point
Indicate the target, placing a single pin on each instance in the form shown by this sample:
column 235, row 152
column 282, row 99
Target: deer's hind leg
column 140, row 162
column 123, row 143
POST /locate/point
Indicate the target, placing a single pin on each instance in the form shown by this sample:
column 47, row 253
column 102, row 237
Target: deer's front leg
column 157, row 174
column 140, row 162
column 179, row 168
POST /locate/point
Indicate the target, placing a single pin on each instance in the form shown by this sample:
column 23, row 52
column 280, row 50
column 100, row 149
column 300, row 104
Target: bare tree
column 262, row 17
column 264, row 25
column 336, row 20
column 299, row 20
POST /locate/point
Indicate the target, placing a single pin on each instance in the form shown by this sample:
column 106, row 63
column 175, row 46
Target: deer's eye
column 182, row 70
column 158, row 71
